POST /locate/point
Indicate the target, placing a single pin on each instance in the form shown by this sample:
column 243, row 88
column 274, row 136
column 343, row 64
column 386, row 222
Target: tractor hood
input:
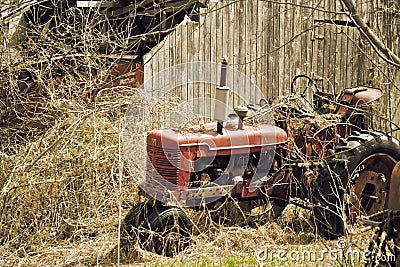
column 205, row 141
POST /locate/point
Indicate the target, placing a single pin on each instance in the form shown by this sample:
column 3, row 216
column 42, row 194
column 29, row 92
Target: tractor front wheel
column 169, row 231
column 137, row 217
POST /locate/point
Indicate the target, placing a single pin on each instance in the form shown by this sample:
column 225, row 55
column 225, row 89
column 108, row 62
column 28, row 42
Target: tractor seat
column 356, row 97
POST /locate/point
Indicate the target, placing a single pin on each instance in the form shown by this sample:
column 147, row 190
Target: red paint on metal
column 170, row 150
column 357, row 96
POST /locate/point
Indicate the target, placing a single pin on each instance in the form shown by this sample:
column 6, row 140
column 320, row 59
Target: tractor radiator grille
column 165, row 162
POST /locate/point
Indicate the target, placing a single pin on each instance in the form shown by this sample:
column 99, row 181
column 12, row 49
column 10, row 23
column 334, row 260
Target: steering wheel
column 311, row 82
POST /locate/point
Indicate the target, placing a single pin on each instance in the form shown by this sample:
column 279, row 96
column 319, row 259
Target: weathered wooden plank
column 252, row 50
column 229, row 39
column 234, row 59
column 274, row 54
column 295, row 56
column 288, row 55
column 268, row 37
column 305, row 25
column 207, row 58
column 241, row 66
column 260, row 72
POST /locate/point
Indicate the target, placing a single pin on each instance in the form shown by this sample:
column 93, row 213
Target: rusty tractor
column 320, row 152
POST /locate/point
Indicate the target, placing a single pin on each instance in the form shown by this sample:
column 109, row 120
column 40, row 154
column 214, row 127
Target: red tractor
column 319, row 153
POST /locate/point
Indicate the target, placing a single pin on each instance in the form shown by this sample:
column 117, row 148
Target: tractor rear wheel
column 354, row 182
column 169, row 231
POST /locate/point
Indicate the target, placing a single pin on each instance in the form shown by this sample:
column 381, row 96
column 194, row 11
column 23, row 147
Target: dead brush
column 63, row 186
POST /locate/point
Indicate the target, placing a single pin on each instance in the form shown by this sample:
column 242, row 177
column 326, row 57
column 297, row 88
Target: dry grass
column 63, row 185
column 218, row 246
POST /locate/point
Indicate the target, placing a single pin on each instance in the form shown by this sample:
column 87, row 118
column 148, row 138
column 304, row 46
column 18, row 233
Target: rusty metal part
column 327, row 137
column 364, row 95
column 370, row 185
column 221, row 97
column 357, row 96
column 241, row 111
column 368, row 193
column 278, row 189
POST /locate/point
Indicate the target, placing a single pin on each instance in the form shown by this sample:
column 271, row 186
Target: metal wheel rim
column 369, row 185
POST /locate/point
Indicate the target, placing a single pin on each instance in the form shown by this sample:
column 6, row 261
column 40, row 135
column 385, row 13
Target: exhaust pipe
column 221, row 98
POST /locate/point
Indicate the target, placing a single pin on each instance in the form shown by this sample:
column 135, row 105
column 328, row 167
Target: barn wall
column 271, row 42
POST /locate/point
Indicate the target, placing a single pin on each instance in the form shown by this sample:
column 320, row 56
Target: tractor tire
column 136, row 219
column 169, row 231
column 355, row 181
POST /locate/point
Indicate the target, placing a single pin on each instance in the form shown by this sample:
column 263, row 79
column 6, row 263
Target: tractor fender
column 394, row 192
column 356, row 97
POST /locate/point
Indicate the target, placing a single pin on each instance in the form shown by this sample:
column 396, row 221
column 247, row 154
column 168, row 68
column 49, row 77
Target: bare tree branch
column 384, row 52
